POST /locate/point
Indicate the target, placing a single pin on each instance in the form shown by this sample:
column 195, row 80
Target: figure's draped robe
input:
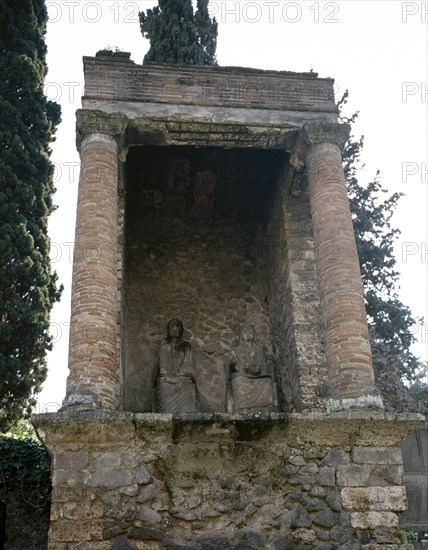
column 251, row 393
column 176, row 389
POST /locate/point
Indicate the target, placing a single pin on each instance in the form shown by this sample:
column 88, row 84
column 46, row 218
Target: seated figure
column 175, row 381
column 250, row 386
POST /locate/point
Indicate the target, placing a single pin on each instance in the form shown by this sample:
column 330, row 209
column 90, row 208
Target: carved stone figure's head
column 174, row 329
column 248, row 333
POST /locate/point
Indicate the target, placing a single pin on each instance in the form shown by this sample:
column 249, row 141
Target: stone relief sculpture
column 249, row 384
column 175, row 382
column 251, row 387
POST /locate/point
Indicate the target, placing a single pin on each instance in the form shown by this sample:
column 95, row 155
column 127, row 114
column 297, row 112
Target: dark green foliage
column 27, row 286
column 25, row 468
column 391, row 323
column 178, row 35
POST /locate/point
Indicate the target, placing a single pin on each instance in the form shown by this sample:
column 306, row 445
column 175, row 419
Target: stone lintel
column 200, row 131
column 342, row 429
column 98, row 122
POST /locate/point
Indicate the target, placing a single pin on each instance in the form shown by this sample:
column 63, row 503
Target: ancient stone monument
column 212, row 199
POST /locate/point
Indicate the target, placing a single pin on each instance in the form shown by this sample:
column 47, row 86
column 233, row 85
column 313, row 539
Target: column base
column 368, row 401
column 80, row 400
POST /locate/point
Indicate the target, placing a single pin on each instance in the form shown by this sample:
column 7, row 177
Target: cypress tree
column 178, row 35
column 28, row 288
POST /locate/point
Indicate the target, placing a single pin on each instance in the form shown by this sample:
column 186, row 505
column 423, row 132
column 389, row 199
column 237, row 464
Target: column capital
column 98, row 122
column 314, row 134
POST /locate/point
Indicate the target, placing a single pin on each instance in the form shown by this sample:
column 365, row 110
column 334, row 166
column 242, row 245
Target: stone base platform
column 124, row 481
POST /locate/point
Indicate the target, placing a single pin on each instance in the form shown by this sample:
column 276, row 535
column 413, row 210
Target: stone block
column 387, row 475
column 322, row 535
column 104, row 545
column 67, row 477
column 283, row 543
column 112, row 532
column 150, row 457
column 371, row 520
column 336, row 457
column 292, row 498
column 297, row 460
column 353, row 475
column 345, row 519
column 71, row 460
column 302, row 480
column 146, row 533
column 381, row 499
column 107, row 460
column 326, row 477
column 314, row 453
column 334, row 501
column 185, row 515
column 299, row 518
column 303, row 535
column 314, row 505
column 340, row 535
column 112, row 498
column 129, row 490
column 383, row 535
column 66, row 530
column 110, row 477
column 77, row 510
column 275, row 512
column 78, row 493
column 215, row 543
column 377, row 455
column 181, row 547
column 325, row 518
column 92, row 510
column 250, row 510
column 148, row 493
column 122, row 544
column 350, row 546
column 309, row 469
column 143, row 476
column 318, row 491
column 148, row 515
column 152, row 545
column 289, row 469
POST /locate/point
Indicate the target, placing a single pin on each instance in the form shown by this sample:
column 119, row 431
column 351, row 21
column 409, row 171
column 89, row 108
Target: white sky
column 375, row 49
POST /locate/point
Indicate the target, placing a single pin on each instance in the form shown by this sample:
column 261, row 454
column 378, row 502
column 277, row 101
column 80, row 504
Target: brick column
column 93, row 378
column 347, row 343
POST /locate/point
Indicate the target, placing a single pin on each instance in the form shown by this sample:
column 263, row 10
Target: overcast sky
column 375, row 49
